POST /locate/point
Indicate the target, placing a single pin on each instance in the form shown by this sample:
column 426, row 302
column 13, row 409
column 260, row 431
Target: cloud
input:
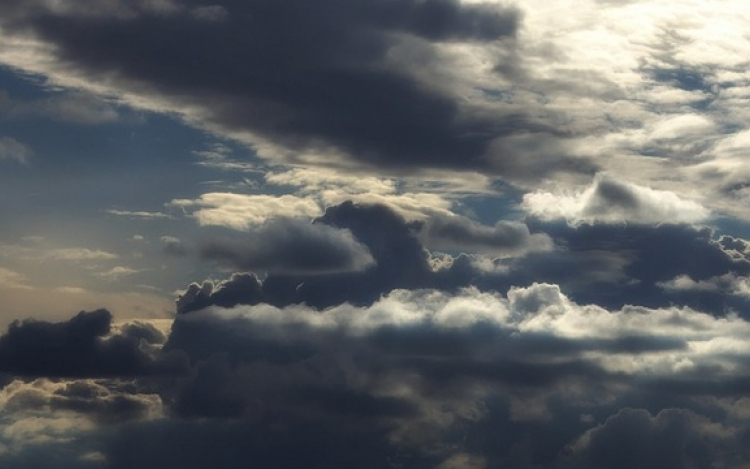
column 331, row 188
column 11, row 279
column 239, row 289
column 79, row 347
column 424, row 378
column 437, row 364
column 104, row 401
column 59, row 254
column 76, row 106
column 608, row 200
column 174, row 246
column 672, row 438
column 504, row 239
column 314, row 92
column 12, row 149
column 138, row 214
column 292, row 247
column 242, row 212
column 117, row 272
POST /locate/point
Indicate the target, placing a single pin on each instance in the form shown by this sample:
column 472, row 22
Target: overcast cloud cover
column 439, row 234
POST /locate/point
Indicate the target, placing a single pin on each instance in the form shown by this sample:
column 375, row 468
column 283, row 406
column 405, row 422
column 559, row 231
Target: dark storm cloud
column 291, row 246
column 307, row 76
column 79, row 347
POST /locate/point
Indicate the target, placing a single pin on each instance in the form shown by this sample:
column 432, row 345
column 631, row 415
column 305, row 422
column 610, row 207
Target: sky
column 430, row 234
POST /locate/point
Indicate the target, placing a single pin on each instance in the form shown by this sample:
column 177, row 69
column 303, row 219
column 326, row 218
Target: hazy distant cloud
column 78, row 107
column 608, row 200
column 174, row 246
column 79, row 254
column 291, row 246
column 12, row 149
column 242, row 212
column 117, row 272
column 60, row 254
column 11, row 279
column 138, row 214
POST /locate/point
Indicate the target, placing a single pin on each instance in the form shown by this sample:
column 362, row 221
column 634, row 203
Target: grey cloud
column 105, row 401
column 424, row 378
column 80, row 347
column 290, row 246
column 77, row 107
column 611, row 264
column 239, row 289
column 674, row 438
column 400, row 261
column 504, row 239
column 174, row 246
column 446, row 354
column 603, row 264
column 320, row 78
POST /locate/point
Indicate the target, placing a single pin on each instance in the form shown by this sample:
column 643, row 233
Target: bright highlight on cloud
column 608, row 200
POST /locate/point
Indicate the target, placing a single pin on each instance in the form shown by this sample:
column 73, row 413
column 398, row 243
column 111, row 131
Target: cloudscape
column 430, row 234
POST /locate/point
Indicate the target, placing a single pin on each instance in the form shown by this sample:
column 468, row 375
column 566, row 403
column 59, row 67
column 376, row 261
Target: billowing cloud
column 239, row 289
column 291, row 246
column 420, row 365
column 608, row 200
